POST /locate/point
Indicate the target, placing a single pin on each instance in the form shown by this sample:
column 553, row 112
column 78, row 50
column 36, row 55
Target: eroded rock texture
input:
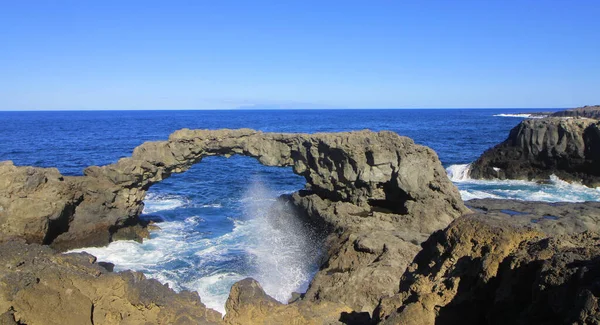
column 41, row 287
column 378, row 195
column 483, row 270
column 367, row 169
column 536, row 149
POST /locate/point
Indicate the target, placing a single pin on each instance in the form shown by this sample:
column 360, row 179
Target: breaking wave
column 556, row 190
column 521, row 115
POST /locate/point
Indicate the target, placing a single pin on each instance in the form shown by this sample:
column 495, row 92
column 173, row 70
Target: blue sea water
column 216, row 228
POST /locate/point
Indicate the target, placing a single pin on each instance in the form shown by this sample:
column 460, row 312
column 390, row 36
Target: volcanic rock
column 378, row 195
column 537, row 149
column 367, row 169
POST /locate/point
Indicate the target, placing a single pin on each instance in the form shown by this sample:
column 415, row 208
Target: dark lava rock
column 537, row 149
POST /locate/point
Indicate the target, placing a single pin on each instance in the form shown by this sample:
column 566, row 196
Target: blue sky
column 298, row 54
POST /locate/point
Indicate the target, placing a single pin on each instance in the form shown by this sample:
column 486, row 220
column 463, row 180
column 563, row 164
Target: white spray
column 284, row 251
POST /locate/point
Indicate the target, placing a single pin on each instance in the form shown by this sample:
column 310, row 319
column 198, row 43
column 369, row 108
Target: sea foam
column 556, row 190
column 522, row 115
column 266, row 242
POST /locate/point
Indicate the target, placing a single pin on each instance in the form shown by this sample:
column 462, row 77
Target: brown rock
column 40, row 287
column 248, row 304
column 483, row 270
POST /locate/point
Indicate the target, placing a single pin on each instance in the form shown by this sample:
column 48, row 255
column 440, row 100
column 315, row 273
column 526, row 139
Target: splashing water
column 284, row 250
column 556, row 190
column 267, row 241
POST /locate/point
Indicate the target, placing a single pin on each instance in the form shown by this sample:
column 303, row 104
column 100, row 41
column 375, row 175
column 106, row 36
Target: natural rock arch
column 380, row 170
column 380, row 194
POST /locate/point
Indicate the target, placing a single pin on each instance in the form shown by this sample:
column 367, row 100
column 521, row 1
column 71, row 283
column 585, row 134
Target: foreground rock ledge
column 493, row 267
column 379, row 195
column 40, row 287
column 484, row 270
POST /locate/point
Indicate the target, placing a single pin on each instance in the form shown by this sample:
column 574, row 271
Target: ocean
column 215, row 225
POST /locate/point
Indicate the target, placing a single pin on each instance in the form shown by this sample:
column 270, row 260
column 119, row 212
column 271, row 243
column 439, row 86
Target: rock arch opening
column 221, row 221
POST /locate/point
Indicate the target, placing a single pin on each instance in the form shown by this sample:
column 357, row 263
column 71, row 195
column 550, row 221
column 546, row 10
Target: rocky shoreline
column 401, row 246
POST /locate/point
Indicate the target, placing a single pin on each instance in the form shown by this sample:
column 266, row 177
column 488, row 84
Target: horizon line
column 272, row 109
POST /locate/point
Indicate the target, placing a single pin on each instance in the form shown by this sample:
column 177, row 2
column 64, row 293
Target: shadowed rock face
column 484, row 270
column 536, row 149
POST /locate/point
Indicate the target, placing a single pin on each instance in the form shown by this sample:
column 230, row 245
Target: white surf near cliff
column 556, row 190
column 522, row 115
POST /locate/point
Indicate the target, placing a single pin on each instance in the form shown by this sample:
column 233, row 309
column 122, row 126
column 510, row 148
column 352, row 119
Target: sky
column 104, row 55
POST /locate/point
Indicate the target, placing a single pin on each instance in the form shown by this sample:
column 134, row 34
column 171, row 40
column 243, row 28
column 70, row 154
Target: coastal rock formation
column 367, row 169
column 35, row 203
column 41, row 287
column 378, row 195
column 585, row 111
column 483, row 270
column 537, row 149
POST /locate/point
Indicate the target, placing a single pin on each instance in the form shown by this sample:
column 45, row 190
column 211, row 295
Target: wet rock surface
column 536, row 149
column 551, row 218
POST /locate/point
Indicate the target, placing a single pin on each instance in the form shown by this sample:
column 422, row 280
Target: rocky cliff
column 511, row 263
column 536, row 149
